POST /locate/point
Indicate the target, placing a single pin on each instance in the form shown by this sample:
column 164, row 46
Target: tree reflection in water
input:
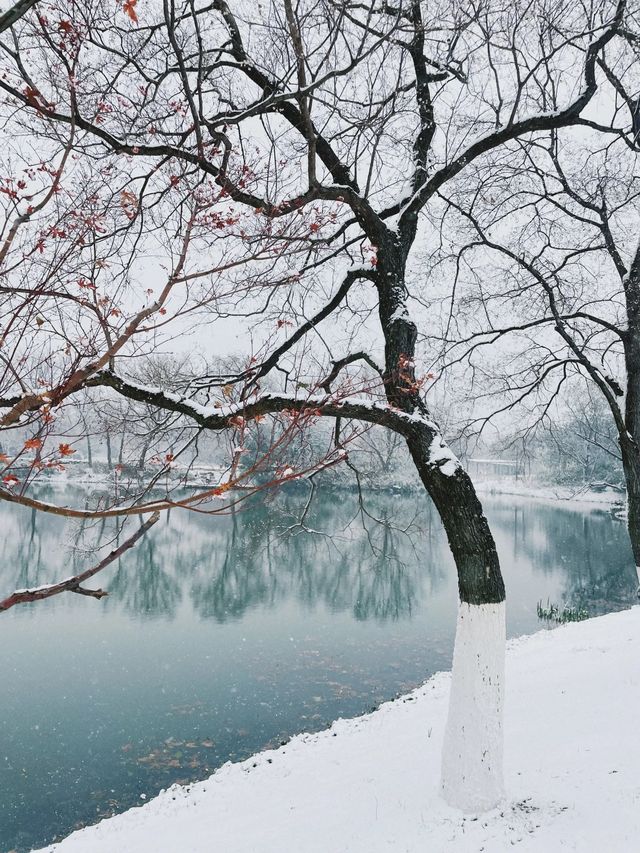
column 589, row 549
column 225, row 566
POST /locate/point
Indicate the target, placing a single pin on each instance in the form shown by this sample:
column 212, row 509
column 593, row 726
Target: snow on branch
column 219, row 417
column 442, row 460
column 74, row 583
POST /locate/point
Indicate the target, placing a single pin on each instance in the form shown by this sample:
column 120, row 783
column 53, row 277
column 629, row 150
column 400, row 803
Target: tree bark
column 472, row 545
column 472, row 757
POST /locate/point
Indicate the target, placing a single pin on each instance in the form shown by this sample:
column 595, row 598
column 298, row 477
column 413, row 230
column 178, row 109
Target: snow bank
column 369, row 785
column 575, row 498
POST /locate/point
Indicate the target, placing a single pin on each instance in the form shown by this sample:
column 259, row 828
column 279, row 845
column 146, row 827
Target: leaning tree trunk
column 472, row 754
column 472, row 758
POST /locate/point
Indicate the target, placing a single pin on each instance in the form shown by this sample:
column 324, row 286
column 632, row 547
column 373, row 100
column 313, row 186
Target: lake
column 225, row 635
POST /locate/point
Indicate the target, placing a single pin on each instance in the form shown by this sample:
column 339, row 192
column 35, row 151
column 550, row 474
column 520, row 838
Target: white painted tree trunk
column 472, row 755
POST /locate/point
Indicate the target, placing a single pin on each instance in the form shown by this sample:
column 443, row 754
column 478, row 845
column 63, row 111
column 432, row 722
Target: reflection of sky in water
column 221, row 636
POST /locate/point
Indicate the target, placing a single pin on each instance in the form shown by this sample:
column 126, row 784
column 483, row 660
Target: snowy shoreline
column 367, row 785
column 572, row 497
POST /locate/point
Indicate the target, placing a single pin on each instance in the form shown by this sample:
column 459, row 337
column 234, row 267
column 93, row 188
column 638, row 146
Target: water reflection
column 227, row 565
column 221, row 636
column 589, row 550
column 145, row 585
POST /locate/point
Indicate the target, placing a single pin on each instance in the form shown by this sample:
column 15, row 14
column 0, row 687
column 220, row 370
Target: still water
column 222, row 636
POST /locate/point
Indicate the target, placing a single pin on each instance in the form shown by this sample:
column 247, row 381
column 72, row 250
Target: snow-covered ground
column 371, row 785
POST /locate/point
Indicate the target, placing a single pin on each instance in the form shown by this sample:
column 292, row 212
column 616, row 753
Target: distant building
column 495, row 467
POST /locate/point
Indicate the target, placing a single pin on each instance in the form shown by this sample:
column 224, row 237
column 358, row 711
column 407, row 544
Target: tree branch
column 560, row 118
column 73, row 584
column 269, row 363
column 13, row 15
column 343, row 362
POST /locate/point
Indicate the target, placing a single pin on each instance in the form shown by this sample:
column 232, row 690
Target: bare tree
column 277, row 164
column 549, row 278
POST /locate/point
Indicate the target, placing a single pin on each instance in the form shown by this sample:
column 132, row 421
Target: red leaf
column 129, row 8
